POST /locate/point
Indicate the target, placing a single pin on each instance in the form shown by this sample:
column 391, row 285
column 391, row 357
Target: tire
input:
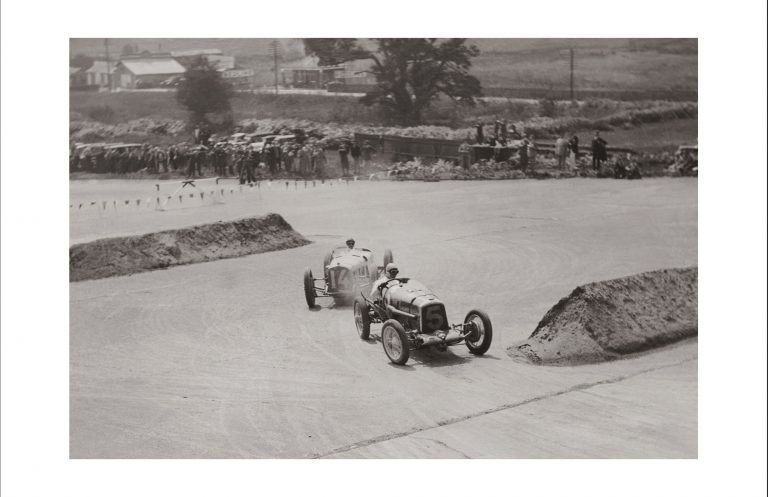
column 309, row 288
column 395, row 342
column 362, row 318
column 387, row 258
column 479, row 341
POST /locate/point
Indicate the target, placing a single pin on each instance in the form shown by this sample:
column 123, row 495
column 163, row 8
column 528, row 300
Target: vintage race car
column 346, row 273
column 414, row 318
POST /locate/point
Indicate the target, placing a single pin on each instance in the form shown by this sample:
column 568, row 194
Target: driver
column 351, row 243
column 390, row 273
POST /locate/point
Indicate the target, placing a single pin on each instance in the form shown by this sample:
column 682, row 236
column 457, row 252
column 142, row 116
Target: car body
column 346, row 273
column 414, row 317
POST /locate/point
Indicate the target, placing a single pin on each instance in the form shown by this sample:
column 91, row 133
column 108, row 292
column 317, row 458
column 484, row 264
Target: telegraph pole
column 109, row 66
column 572, row 99
column 274, row 47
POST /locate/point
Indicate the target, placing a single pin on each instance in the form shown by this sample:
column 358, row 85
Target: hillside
column 600, row 63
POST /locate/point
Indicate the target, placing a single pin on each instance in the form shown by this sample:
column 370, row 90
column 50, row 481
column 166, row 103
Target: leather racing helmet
column 392, row 270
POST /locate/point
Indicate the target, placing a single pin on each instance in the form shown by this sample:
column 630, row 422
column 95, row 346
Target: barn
column 147, row 71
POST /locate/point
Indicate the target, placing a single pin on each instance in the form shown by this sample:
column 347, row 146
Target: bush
column 547, row 107
column 102, row 113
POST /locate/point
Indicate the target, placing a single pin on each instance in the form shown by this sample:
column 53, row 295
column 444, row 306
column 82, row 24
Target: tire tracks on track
column 451, row 421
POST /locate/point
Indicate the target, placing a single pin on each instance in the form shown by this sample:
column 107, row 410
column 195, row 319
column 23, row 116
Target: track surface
column 224, row 360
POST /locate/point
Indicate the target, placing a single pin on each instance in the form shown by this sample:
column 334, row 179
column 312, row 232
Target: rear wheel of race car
column 388, row 258
column 395, row 342
column 479, row 339
column 362, row 318
column 309, row 288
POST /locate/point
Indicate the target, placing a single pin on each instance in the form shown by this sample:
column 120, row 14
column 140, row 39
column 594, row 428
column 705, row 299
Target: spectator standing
column 355, row 151
column 599, row 151
column 288, row 156
column 573, row 146
column 319, row 161
column 480, row 137
column 524, row 155
column 561, row 151
column 504, row 133
column 465, row 152
column 531, row 152
column 344, row 157
column 305, row 160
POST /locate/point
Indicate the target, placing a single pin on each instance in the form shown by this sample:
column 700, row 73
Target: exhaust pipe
column 439, row 337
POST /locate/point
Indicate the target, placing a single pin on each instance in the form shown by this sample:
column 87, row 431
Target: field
column 224, row 360
column 623, row 63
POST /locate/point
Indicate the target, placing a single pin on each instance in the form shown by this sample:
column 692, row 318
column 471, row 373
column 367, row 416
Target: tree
column 129, row 49
column 203, row 91
column 411, row 73
column 81, row 60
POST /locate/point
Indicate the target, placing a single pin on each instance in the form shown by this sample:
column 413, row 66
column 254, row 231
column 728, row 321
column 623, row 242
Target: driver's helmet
column 392, row 270
column 351, row 243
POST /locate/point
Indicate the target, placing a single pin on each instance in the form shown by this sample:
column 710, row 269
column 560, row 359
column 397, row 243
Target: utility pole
column 109, row 66
column 274, row 48
column 572, row 99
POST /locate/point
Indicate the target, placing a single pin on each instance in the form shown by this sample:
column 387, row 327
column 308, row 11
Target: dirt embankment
column 609, row 319
column 135, row 254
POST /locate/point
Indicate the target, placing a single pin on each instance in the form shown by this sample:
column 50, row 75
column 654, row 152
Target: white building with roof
column 98, row 75
column 147, row 71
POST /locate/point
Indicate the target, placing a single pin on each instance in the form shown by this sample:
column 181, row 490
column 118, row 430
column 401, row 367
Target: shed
column 147, row 72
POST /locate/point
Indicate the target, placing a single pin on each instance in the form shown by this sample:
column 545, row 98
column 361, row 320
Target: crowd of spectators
column 246, row 160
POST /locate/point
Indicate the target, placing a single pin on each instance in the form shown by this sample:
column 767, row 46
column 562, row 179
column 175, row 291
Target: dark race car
column 346, row 273
column 414, row 318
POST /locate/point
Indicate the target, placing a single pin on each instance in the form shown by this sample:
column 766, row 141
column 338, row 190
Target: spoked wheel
column 388, row 257
column 309, row 288
column 395, row 342
column 481, row 332
column 362, row 318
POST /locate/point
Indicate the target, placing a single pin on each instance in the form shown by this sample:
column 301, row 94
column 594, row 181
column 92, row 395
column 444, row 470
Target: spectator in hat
column 599, row 151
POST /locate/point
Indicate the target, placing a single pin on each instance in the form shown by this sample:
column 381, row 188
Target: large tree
column 411, row 73
column 203, row 91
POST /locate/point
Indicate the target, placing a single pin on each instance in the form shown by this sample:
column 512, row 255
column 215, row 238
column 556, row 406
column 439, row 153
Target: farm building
column 96, row 76
column 307, row 73
column 147, row 71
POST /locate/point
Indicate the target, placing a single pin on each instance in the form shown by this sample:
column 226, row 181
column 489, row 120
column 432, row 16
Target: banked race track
column 219, row 356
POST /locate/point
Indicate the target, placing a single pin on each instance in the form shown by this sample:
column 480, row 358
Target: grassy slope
column 162, row 105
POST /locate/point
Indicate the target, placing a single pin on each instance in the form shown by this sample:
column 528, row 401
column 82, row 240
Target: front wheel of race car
column 362, row 318
column 481, row 332
column 395, row 342
column 387, row 258
column 309, row 288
